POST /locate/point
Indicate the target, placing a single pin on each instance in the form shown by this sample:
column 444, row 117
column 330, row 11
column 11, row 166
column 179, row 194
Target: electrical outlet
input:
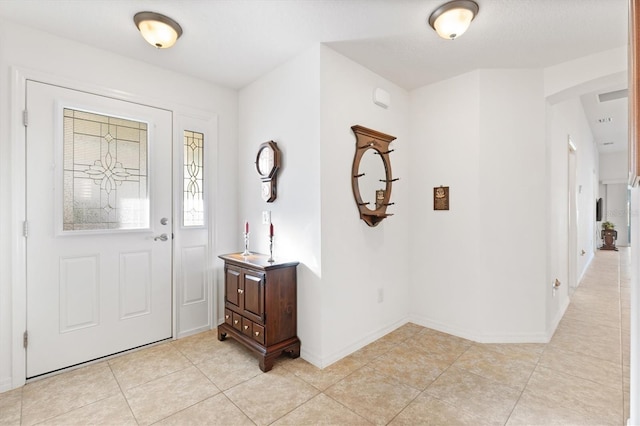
column 266, row 217
column 380, row 295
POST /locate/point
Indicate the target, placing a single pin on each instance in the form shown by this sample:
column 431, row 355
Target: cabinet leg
column 221, row 335
column 265, row 364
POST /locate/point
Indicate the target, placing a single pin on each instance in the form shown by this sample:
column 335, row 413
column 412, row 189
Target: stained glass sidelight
column 193, row 176
column 105, row 172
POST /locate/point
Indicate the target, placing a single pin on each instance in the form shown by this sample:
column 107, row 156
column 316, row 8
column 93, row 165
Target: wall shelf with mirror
column 371, row 167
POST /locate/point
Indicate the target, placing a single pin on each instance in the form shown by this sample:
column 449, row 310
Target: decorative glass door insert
column 105, row 172
column 193, row 195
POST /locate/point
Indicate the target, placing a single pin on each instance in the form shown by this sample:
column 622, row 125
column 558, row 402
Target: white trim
column 207, row 124
column 360, row 343
column 586, row 267
column 535, row 337
column 19, row 77
column 556, row 321
column 18, row 215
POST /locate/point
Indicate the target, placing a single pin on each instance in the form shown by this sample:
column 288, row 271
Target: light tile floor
column 411, row 376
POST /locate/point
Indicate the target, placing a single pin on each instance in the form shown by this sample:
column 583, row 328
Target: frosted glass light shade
column 160, row 31
column 452, row 19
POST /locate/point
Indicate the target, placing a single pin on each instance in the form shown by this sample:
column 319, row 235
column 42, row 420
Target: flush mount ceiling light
column 159, row 30
column 452, row 19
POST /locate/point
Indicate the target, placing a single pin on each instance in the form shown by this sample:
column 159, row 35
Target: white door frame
column 572, row 219
column 17, row 132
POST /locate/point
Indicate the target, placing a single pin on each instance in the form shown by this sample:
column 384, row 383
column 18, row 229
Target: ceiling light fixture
column 452, row 19
column 160, row 31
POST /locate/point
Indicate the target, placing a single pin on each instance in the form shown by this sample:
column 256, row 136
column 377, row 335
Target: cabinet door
column 232, row 282
column 254, row 295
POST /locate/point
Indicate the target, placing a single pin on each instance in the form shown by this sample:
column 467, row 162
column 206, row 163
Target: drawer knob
column 240, row 291
column 235, row 321
column 257, row 333
column 246, row 326
column 226, row 317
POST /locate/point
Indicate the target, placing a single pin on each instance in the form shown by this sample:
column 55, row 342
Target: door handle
column 161, row 237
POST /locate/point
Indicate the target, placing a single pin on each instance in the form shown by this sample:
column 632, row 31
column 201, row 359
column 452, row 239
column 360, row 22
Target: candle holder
column 270, row 260
column 246, row 251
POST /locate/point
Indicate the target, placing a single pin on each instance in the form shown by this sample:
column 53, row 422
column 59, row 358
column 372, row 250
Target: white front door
column 99, row 228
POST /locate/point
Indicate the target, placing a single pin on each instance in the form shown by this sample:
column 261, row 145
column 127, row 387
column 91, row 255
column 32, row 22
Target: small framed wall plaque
column 441, row 198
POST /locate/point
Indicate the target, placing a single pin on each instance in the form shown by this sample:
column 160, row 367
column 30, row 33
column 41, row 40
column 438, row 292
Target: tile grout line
column 546, row 346
column 197, row 402
column 122, row 393
column 366, row 364
column 222, row 392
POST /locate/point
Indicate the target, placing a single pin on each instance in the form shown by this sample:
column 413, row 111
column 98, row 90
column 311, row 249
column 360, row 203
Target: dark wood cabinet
column 260, row 306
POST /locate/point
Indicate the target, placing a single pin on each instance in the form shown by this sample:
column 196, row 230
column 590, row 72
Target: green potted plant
column 608, row 225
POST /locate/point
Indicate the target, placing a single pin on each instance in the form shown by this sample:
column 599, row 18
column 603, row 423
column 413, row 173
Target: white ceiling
column 233, row 42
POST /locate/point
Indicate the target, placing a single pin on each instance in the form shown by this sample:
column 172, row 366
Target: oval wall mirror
column 373, row 171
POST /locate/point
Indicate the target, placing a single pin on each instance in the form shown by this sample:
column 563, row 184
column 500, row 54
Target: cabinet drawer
column 247, row 326
column 237, row 321
column 227, row 317
column 258, row 333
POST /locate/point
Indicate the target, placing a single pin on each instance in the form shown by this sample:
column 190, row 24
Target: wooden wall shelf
column 366, row 141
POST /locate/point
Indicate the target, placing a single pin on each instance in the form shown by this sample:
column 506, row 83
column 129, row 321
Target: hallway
column 411, row 376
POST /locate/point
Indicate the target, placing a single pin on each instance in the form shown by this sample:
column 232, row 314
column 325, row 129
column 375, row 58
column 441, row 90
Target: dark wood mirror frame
column 367, row 139
column 634, row 92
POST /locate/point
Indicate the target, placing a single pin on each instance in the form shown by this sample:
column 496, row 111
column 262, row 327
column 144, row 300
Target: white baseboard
column 534, row 337
column 310, row 357
column 5, row 384
column 586, row 267
column 193, row 331
column 323, row 362
column 557, row 319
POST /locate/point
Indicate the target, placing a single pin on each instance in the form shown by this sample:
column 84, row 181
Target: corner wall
column 445, row 245
column 283, row 106
column 512, row 189
column 358, row 261
column 481, row 263
column 308, row 106
column 566, row 119
column 614, row 192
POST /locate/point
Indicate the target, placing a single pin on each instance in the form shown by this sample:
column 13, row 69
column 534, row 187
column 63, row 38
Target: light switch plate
column 266, row 217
